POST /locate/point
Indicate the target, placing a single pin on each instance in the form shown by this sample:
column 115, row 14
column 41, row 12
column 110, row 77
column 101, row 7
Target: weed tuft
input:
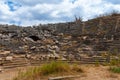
column 115, row 69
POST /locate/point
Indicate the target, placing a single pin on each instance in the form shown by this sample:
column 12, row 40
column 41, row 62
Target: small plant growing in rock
column 97, row 63
column 114, row 62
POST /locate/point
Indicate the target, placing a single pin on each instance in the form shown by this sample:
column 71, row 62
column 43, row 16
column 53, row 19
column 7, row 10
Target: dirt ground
column 98, row 73
column 91, row 72
column 9, row 74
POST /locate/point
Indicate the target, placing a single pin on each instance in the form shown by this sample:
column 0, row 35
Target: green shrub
column 115, row 69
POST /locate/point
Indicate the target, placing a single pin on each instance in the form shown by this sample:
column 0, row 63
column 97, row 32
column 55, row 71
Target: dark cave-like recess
column 35, row 38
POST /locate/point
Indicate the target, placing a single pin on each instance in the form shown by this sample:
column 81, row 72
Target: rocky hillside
column 92, row 36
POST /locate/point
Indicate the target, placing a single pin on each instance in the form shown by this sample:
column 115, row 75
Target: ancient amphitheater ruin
column 78, row 41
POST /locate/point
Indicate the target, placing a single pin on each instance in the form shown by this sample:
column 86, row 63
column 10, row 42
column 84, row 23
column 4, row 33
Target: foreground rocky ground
column 91, row 72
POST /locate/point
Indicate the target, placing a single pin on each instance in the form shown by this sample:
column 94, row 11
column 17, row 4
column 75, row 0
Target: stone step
column 14, row 66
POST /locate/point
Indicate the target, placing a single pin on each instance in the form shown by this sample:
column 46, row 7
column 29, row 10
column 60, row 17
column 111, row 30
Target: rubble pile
column 66, row 40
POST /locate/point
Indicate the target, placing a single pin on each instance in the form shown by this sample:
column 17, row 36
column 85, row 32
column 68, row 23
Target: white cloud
column 33, row 3
column 50, row 11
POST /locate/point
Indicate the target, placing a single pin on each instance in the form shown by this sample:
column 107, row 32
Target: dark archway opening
column 35, row 38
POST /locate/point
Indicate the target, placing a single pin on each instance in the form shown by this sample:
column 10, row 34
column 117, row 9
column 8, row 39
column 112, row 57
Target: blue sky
column 33, row 12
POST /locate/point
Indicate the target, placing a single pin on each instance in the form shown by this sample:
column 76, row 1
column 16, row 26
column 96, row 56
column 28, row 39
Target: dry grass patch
column 53, row 68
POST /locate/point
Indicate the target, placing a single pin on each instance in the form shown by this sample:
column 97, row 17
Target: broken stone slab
column 56, row 41
column 5, row 52
column 9, row 58
column 33, row 48
column 52, row 56
column 64, row 77
column 55, row 48
column 28, row 39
